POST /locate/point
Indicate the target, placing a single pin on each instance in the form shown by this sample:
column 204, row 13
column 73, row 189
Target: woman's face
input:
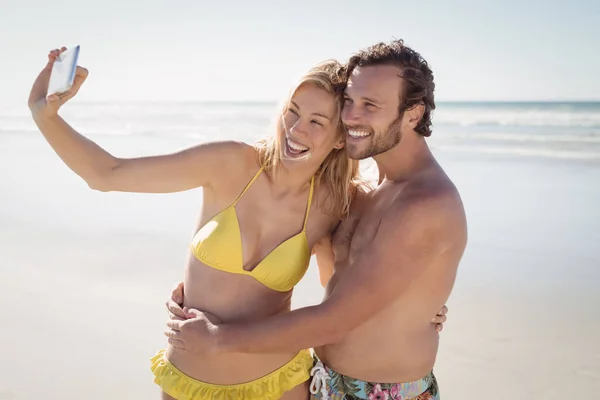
column 310, row 126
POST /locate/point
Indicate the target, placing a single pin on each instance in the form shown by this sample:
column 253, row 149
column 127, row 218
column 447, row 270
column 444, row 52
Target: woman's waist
column 228, row 369
column 233, row 298
column 240, row 310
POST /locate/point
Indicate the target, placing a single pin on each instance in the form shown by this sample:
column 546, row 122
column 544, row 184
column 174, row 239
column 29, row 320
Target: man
column 396, row 255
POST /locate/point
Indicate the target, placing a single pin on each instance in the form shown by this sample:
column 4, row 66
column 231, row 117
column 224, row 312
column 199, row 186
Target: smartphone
column 63, row 71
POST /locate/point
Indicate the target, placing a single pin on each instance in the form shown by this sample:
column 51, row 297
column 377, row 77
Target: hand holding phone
column 57, row 83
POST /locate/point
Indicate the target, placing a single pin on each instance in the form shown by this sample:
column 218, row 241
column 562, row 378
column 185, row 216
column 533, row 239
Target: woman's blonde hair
column 338, row 172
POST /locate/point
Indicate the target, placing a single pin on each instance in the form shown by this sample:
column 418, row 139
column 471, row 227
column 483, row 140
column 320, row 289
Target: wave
column 537, row 115
column 558, row 131
column 517, row 118
column 523, row 151
column 523, row 137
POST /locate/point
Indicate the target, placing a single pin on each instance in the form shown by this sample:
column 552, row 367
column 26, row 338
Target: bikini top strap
column 310, row 196
column 248, row 185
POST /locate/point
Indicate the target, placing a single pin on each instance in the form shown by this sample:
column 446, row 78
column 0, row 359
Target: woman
column 264, row 208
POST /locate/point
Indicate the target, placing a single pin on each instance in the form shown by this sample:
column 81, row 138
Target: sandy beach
column 84, row 276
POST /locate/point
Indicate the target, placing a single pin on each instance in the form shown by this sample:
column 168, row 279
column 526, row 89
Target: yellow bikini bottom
column 271, row 386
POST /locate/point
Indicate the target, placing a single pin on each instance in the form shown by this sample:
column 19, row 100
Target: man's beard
column 380, row 143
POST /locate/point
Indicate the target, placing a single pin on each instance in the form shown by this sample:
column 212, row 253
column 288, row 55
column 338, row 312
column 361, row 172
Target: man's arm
column 408, row 242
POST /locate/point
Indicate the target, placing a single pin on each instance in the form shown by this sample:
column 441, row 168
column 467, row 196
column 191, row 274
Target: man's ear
column 414, row 114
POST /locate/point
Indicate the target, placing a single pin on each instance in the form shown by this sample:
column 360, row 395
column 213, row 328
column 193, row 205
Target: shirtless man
column 394, row 259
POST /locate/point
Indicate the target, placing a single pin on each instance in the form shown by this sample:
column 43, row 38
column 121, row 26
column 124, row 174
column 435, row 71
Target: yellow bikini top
column 218, row 244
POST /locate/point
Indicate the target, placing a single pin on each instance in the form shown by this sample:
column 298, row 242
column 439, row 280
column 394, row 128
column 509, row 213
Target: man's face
column 370, row 112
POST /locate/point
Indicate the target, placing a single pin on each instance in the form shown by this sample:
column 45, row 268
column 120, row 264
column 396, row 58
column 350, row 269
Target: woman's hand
column 46, row 105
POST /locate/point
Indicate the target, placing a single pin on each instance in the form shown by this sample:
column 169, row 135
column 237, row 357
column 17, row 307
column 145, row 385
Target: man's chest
column 353, row 236
column 356, row 233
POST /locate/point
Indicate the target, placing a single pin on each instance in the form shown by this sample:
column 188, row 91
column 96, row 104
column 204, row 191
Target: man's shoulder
column 431, row 201
column 430, row 189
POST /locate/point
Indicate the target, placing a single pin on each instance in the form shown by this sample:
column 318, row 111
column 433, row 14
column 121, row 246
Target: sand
column 84, row 276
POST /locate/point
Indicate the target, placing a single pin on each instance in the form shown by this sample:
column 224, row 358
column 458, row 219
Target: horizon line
column 259, row 101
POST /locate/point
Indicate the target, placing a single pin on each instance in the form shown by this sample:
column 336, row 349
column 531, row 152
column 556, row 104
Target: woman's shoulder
column 236, row 157
column 234, row 162
column 357, row 190
column 232, row 149
column 325, row 206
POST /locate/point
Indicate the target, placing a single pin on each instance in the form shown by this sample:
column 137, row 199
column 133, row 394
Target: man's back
column 399, row 343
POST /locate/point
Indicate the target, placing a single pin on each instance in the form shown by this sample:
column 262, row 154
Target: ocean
column 563, row 130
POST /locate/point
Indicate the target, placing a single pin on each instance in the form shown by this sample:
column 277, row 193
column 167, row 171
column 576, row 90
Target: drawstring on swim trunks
column 319, row 380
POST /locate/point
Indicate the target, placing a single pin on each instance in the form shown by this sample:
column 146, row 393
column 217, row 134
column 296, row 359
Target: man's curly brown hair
column 418, row 83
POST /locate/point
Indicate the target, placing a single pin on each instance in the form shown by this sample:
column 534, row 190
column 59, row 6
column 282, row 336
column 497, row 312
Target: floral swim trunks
column 326, row 384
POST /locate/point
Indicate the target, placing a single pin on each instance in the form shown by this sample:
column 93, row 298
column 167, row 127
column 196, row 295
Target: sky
column 197, row 50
